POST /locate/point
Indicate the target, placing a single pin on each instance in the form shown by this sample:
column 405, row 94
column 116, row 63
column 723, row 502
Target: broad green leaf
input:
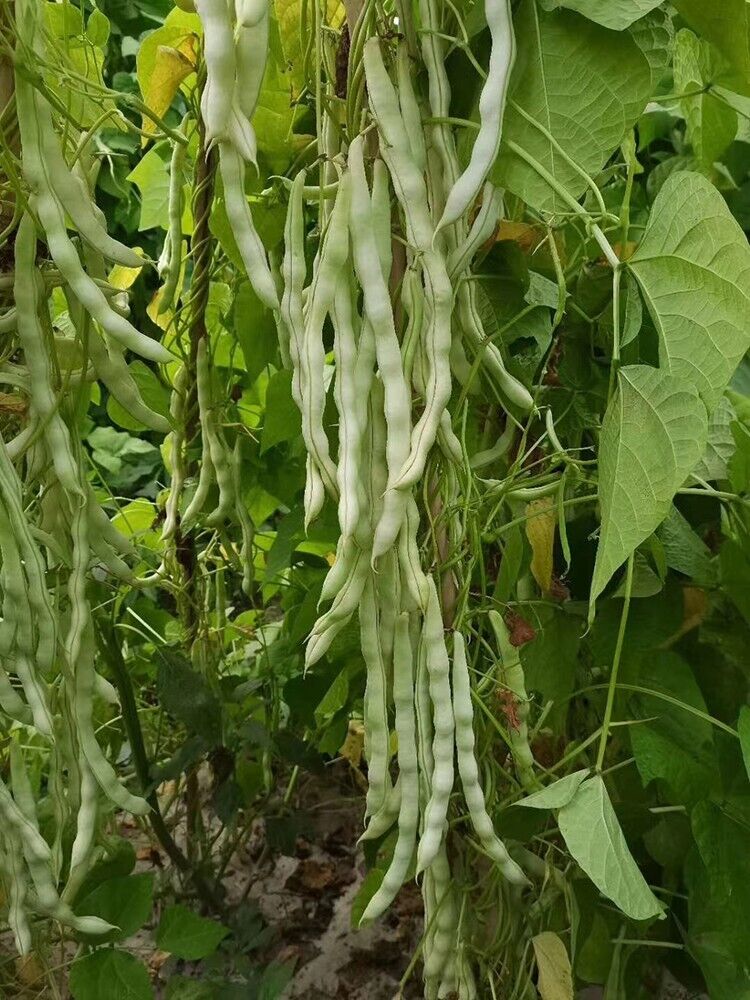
column 135, row 518
column 718, row 880
column 282, row 418
column 693, row 267
column 109, row 973
column 586, row 85
column 555, row 975
column 727, row 25
column 615, row 14
column 743, row 728
column 123, row 902
column 674, row 746
column 82, row 51
column 720, row 445
column 711, row 123
column 550, row 660
column 684, row 550
column 593, row 836
column 558, row 794
column 184, row 988
column 187, row 935
column 653, row 434
column 187, row 696
column 151, row 176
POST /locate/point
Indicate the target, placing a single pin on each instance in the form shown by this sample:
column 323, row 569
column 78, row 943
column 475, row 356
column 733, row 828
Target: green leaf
column 370, row 885
column 123, row 902
column 109, row 973
column 674, row 745
column 684, row 550
column 254, row 327
column 693, row 267
column 593, row 836
column 743, row 728
column 558, row 794
column 586, row 85
column 550, row 659
column 186, row 935
column 718, row 880
column 184, row 988
column 282, row 417
column 653, row 434
column 615, row 14
column 711, row 123
column 555, row 975
column 727, row 25
column 734, row 562
column 720, row 445
column 185, row 694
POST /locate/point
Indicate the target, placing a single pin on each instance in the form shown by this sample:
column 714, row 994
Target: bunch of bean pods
column 399, row 227
column 53, row 531
column 403, row 323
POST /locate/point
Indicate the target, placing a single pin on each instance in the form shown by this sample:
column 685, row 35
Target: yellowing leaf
column 354, row 743
column 155, row 70
column 171, row 66
column 555, row 978
column 540, row 531
column 135, row 518
column 124, row 277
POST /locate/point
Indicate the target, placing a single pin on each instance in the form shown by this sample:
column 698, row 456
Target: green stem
column 113, row 655
column 612, row 689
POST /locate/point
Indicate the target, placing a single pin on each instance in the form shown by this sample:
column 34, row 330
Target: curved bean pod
column 512, row 677
column 438, row 669
column 491, row 109
column 463, row 714
column 31, row 335
column 219, row 54
column 408, row 817
column 251, row 52
column 377, row 733
column 240, row 218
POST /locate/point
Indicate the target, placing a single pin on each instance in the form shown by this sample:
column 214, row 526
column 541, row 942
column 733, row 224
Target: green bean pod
column 512, row 678
column 438, row 669
column 31, row 335
column 240, row 218
column 221, row 68
column 177, row 406
column 491, row 108
column 377, row 733
column 408, row 817
column 251, row 49
column 467, row 767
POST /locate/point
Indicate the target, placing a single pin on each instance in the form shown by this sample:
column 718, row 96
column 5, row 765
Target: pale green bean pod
column 491, row 109
column 31, row 334
column 240, row 218
column 219, row 55
column 408, row 817
column 441, row 785
column 512, row 678
column 377, row 733
column 463, row 714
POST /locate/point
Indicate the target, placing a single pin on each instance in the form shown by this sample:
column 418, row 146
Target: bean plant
column 437, row 314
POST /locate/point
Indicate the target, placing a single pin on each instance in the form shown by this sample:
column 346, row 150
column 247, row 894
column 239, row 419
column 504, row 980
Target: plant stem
column 114, row 659
column 612, row 689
